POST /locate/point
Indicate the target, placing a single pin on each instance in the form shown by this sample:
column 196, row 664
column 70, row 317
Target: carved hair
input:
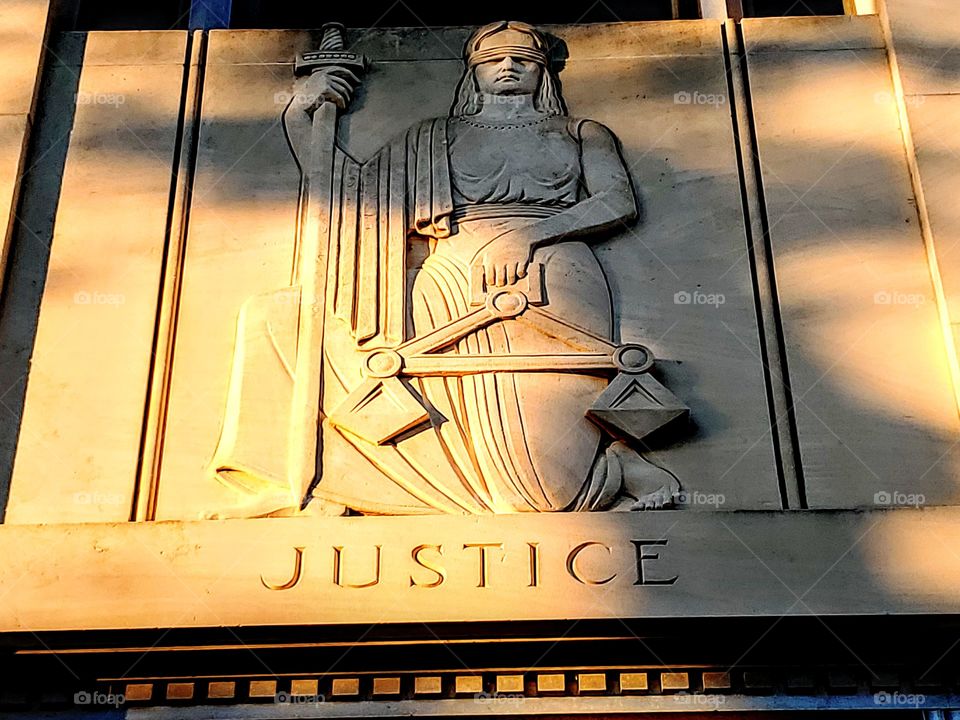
column 469, row 99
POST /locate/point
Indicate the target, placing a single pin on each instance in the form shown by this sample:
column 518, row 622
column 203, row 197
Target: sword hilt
column 332, row 38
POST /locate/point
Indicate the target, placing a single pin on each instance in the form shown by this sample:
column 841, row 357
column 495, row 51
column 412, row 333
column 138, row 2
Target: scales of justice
column 446, row 342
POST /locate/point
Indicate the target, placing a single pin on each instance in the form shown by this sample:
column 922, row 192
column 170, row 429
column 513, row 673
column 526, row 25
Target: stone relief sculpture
column 447, row 344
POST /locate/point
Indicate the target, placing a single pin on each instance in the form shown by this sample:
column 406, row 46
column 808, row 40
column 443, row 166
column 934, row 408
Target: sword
column 311, row 266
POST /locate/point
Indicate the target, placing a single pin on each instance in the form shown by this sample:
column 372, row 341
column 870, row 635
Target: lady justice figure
column 507, row 192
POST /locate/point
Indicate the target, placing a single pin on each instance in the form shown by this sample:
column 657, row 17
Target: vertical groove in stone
column 155, row 413
column 783, row 427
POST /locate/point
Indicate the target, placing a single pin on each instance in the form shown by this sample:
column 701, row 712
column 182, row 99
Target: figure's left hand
column 504, row 260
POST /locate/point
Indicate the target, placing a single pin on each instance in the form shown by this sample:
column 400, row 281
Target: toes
column 657, row 500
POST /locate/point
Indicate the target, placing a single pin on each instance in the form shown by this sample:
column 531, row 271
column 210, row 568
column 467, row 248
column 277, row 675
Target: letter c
column 572, row 564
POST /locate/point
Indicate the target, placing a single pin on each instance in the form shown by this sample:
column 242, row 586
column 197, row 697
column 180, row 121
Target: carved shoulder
column 603, row 167
column 587, row 131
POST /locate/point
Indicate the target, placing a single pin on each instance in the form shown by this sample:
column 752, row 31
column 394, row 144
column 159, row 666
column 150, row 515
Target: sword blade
column 303, row 450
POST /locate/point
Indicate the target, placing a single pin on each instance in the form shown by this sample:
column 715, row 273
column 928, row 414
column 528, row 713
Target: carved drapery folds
column 448, row 325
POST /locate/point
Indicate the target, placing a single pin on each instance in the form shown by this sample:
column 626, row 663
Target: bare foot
column 645, row 486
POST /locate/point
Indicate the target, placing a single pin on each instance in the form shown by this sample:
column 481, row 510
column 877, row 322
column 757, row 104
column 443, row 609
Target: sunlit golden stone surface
column 876, row 369
column 23, row 24
column 682, row 159
column 870, row 374
column 925, row 38
column 79, row 439
column 598, row 565
column 14, row 131
column 931, row 119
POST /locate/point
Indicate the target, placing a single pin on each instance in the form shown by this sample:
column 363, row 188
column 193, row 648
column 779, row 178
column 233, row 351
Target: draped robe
column 495, row 442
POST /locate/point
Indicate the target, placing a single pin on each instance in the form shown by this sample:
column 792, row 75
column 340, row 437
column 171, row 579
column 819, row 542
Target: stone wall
column 773, row 172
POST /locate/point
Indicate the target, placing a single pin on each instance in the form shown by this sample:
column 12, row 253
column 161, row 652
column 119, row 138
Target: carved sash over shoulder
column 403, row 189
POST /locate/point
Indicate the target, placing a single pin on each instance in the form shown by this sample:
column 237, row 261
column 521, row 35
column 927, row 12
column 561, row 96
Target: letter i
column 534, row 564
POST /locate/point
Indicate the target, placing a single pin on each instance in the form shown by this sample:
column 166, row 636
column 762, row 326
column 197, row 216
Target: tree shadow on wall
column 821, row 305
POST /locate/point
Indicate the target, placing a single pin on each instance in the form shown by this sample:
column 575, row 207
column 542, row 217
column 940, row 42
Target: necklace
column 503, row 125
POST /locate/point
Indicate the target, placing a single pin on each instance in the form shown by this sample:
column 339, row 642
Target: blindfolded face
column 508, row 76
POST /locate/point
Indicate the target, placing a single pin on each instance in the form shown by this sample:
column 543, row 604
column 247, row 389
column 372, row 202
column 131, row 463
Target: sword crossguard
column 332, row 53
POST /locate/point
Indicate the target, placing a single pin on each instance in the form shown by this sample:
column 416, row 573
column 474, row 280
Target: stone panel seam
column 168, row 301
column 783, row 426
column 923, row 215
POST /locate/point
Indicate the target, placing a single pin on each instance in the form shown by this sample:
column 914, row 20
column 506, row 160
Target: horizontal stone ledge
column 532, row 707
column 591, row 41
column 562, row 566
column 813, row 34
